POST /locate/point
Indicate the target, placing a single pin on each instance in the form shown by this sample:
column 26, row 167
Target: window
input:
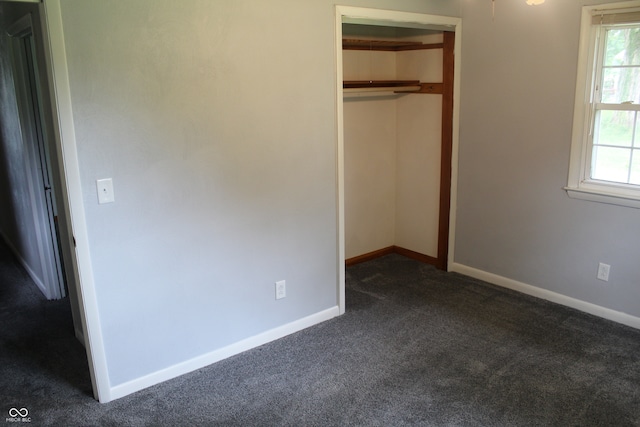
column 605, row 153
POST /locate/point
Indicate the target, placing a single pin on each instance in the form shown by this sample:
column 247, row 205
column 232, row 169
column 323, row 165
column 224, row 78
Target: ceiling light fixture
column 529, row 2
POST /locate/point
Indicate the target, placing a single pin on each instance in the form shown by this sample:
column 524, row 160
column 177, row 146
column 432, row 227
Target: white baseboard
column 26, row 266
column 587, row 307
column 218, row 355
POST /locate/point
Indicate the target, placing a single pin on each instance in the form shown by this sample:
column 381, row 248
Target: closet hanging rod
column 391, row 84
column 384, row 89
column 378, row 92
column 379, row 87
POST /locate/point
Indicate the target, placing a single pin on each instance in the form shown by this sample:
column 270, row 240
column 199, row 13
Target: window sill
column 603, row 197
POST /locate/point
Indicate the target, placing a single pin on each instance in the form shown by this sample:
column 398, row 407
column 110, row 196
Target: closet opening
column 397, row 135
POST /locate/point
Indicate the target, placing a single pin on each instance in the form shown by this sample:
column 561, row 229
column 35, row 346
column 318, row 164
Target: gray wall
column 16, row 212
column 514, row 219
column 217, row 122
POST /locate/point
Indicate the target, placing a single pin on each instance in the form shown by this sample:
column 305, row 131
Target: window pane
column 635, row 168
column 621, row 85
column 610, row 164
column 614, row 128
column 623, row 46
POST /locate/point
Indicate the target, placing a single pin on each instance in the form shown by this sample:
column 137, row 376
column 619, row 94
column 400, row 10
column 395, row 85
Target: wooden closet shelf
column 353, row 84
column 413, row 86
column 387, row 45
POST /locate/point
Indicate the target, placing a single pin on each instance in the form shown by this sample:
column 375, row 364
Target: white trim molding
column 221, row 354
column 602, row 197
column 64, row 134
column 587, row 307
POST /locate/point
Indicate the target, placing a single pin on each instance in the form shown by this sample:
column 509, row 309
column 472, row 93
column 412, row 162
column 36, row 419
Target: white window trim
column 579, row 185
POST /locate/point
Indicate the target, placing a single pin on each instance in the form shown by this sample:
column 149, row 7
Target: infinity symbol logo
column 22, row 412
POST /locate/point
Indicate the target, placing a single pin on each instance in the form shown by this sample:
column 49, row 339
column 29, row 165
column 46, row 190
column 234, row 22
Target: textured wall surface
column 220, row 167
column 514, row 219
column 369, row 156
column 370, row 174
column 419, row 136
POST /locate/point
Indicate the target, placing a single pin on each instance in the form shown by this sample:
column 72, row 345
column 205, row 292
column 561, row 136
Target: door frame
column 72, row 218
column 446, row 239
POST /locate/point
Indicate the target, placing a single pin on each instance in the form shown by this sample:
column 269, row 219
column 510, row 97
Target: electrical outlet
column 603, row 271
column 281, row 289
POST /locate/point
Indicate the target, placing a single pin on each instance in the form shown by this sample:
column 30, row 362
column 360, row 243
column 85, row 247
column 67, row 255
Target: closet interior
column 398, row 107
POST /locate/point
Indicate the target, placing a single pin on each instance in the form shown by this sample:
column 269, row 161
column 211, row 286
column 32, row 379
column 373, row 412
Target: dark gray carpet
column 416, row 347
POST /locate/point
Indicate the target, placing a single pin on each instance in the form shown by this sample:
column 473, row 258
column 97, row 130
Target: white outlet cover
column 603, row 271
column 281, row 289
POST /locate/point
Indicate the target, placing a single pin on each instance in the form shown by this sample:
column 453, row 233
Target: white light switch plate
column 105, row 190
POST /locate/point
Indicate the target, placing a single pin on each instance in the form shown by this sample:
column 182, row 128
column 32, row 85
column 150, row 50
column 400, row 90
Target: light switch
column 105, row 190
